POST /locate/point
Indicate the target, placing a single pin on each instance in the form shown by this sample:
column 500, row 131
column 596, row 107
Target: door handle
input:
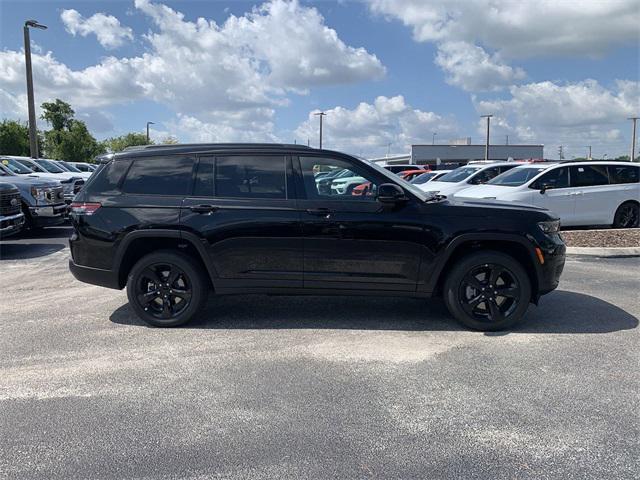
column 203, row 208
column 319, row 212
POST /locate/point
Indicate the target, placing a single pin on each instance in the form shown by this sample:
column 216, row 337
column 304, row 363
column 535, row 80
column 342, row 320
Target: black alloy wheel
column 489, row 293
column 163, row 290
column 487, row 290
column 627, row 216
column 167, row 288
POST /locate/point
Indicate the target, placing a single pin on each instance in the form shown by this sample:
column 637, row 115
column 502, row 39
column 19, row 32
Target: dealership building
column 455, row 154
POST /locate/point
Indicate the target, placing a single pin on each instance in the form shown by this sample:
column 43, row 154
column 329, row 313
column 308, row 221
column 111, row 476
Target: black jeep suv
column 172, row 223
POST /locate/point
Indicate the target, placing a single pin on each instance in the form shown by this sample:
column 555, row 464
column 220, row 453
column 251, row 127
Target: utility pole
column 148, row 123
column 486, row 147
column 506, row 140
column 433, row 138
column 633, row 139
column 589, row 147
column 33, row 132
column 560, row 153
column 320, row 114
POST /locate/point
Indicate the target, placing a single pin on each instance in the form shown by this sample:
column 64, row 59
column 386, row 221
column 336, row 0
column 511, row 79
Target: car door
column 595, row 198
column 554, row 193
column 353, row 241
column 243, row 209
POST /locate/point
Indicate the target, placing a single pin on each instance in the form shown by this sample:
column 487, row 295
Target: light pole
column 148, row 123
column 320, row 114
column 589, row 147
column 433, row 138
column 33, row 134
column 633, row 138
column 486, row 146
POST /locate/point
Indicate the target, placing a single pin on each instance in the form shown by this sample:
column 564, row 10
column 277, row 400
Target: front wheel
column 627, row 216
column 487, row 291
column 167, row 288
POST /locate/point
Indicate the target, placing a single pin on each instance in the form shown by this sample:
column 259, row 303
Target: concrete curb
column 604, row 251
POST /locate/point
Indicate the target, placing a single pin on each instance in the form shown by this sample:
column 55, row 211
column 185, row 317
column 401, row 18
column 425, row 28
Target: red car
column 408, row 175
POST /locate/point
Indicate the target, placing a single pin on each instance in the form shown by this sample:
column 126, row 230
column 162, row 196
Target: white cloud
column 573, row 115
column 369, row 128
column 106, row 28
column 523, row 28
column 471, row 68
column 229, row 77
column 464, row 30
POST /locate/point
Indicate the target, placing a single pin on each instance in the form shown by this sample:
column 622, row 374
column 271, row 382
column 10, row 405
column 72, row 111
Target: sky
column 388, row 73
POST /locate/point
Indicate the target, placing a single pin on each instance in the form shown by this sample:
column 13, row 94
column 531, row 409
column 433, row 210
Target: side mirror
column 390, row 193
column 544, row 187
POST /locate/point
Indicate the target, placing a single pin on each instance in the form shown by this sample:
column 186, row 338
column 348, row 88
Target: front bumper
column 10, row 225
column 48, row 215
column 552, row 268
column 95, row 276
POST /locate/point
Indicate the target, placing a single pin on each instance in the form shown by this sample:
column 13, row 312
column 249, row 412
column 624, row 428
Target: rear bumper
column 10, row 225
column 95, row 276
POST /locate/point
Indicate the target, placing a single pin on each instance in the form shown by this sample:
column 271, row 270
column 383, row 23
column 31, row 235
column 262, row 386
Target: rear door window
column 623, row 173
column 163, row 175
column 589, row 175
column 107, row 177
column 250, row 176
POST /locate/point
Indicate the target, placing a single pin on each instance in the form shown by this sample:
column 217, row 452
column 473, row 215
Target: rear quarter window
column 166, row 175
column 107, row 177
column 623, row 174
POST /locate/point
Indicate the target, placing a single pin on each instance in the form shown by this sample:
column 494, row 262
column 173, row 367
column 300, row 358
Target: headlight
column 37, row 193
column 551, row 226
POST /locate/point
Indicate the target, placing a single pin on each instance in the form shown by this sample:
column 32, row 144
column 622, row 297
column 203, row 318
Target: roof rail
column 216, row 145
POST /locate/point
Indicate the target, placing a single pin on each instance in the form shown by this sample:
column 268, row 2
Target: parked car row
column 582, row 193
column 36, row 193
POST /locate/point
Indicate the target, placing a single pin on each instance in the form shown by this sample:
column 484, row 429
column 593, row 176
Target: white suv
column 581, row 193
column 464, row 177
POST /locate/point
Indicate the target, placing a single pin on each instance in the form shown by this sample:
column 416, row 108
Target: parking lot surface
column 295, row 387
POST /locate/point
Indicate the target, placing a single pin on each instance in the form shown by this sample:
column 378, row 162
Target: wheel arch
column 139, row 243
column 515, row 246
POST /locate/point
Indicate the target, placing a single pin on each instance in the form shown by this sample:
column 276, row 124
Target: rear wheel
column 167, row 288
column 487, row 291
column 627, row 216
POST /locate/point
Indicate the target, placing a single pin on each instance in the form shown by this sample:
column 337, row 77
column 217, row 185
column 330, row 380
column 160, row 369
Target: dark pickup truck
column 11, row 216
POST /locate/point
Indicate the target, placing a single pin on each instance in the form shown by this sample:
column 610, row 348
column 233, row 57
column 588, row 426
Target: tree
column 58, row 114
column 14, row 138
column 69, row 139
column 74, row 144
column 170, row 140
column 624, row 158
column 117, row 144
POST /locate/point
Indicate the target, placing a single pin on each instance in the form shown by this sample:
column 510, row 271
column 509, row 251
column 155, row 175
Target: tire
column 463, row 294
column 627, row 216
column 167, row 288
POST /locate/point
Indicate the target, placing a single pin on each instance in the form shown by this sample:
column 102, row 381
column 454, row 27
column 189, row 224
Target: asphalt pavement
column 314, row 387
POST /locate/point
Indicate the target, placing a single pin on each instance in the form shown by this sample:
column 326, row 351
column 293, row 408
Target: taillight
column 83, row 208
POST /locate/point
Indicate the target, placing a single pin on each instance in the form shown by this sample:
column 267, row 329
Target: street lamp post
column 433, row 138
column 589, row 147
column 320, row 114
column 149, row 123
column 33, row 133
column 486, row 146
column 633, row 138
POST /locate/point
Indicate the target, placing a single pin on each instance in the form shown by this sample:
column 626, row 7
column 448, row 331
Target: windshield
column 4, row 172
column 516, row 176
column 15, row 166
column 70, row 167
column 459, row 174
column 423, row 178
column 49, row 166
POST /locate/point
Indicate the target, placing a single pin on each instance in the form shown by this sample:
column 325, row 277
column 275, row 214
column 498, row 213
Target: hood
column 495, row 204
column 50, row 177
column 29, row 181
column 7, row 187
column 484, row 191
column 443, row 188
